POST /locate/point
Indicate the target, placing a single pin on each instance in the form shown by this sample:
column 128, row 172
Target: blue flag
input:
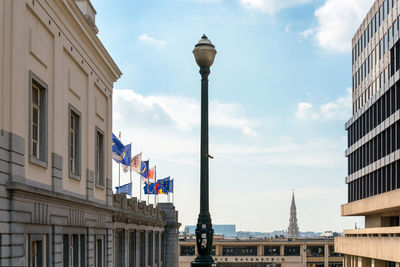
column 126, row 155
column 144, row 171
column 117, row 149
column 171, row 186
column 150, row 189
column 126, row 188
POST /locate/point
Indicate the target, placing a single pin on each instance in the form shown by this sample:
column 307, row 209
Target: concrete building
column 266, row 253
column 56, row 202
column 374, row 141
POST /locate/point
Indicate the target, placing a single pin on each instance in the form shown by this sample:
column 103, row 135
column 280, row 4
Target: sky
column 279, row 96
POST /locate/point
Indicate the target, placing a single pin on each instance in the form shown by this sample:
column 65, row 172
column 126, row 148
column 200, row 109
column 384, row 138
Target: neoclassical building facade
column 57, row 207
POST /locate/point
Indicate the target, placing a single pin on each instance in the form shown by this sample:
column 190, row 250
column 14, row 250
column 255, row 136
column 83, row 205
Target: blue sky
column 279, row 98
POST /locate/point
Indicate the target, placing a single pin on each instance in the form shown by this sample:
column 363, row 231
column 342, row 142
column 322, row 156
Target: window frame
column 100, row 157
column 42, row 159
column 77, row 172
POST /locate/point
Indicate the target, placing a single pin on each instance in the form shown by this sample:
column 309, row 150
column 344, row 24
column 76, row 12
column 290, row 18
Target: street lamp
column 204, row 53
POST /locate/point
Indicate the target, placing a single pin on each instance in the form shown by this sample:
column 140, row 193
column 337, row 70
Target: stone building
column 374, row 141
column 293, row 229
column 57, row 207
column 266, row 253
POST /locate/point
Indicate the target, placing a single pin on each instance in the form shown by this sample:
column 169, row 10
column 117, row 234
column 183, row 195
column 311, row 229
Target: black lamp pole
column 204, row 53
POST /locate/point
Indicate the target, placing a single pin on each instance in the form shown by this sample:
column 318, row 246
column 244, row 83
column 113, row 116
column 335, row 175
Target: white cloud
column 248, row 131
column 150, row 40
column 287, row 28
column 338, row 20
column 185, row 112
column 271, row 6
column 307, row 33
column 305, row 111
column 339, row 109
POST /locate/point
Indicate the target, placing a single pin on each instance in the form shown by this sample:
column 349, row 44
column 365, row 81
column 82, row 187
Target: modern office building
column 373, row 151
column 266, row 253
column 57, row 207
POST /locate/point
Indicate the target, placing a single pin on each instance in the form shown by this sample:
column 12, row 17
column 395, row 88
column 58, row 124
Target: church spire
column 293, row 229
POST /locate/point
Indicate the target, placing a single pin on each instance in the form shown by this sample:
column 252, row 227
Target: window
column 239, row 251
column 292, row 251
column 157, row 248
column 38, row 121
column 272, row 251
column 37, row 253
column 380, row 48
column 75, row 250
column 99, row 253
column 187, row 251
column 99, row 158
column 74, row 141
column 143, row 249
column 66, row 252
column 372, row 26
column 150, row 248
column 385, row 43
column 315, row 251
column 132, row 248
column 120, row 248
column 384, row 6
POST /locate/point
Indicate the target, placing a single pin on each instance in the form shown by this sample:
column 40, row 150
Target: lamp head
column 204, row 52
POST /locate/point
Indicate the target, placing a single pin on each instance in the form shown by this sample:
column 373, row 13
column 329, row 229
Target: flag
column 144, row 170
column 171, row 186
column 126, row 155
column 126, row 188
column 117, row 149
column 150, row 189
column 152, row 175
column 163, row 186
column 135, row 165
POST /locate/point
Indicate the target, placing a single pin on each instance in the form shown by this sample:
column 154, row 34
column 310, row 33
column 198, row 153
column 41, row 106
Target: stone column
column 170, row 244
column 359, row 262
column 109, row 247
column 91, row 247
column 326, row 255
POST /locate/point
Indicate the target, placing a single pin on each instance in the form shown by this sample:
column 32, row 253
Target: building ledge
column 379, row 231
column 389, row 201
column 377, row 247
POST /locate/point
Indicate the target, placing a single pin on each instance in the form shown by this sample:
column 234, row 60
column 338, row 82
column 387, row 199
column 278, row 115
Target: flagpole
column 119, row 169
column 148, row 169
column 140, row 184
column 169, row 199
column 130, row 170
column 155, row 180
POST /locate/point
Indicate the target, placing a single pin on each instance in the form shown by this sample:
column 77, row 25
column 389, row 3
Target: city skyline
column 286, row 132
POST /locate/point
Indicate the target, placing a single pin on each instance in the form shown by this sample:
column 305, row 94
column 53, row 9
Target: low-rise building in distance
column 266, row 253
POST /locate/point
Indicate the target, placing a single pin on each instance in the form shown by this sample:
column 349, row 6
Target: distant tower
column 293, row 229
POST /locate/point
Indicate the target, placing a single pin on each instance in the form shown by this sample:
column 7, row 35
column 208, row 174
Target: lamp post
column 204, row 53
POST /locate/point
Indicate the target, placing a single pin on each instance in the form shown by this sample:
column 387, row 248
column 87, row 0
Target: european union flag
column 126, row 188
column 144, row 171
column 117, row 149
column 163, row 186
column 150, row 189
column 126, row 155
